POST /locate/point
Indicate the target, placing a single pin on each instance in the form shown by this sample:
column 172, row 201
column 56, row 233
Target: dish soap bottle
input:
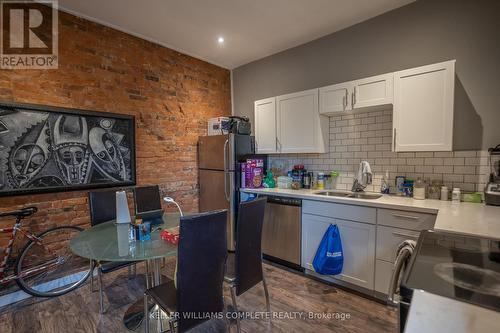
column 384, row 186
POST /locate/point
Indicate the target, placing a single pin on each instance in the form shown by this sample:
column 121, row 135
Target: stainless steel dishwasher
column 281, row 232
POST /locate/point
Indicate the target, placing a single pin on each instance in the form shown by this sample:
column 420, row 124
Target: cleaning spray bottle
column 384, row 185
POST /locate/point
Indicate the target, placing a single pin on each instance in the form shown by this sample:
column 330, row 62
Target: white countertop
column 464, row 218
column 437, row 314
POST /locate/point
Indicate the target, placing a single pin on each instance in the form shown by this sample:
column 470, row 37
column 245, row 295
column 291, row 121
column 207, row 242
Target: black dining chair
column 103, row 209
column 201, row 257
column 244, row 266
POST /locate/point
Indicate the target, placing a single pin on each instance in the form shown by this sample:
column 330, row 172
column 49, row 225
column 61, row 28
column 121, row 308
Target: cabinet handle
column 394, row 139
column 402, row 234
column 278, row 145
column 406, row 216
column 352, row 100
column 354, row 96
column 345, row 99
column 344, row 102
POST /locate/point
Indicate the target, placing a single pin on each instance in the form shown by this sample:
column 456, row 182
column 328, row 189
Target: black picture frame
column 130, row 119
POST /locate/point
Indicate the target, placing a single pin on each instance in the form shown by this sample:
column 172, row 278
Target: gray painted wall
column 424, row 32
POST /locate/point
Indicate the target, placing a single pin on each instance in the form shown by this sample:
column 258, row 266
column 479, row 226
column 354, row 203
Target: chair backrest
column 147, row 199
column 201, row 259
column 102, row 206
column 248, row 261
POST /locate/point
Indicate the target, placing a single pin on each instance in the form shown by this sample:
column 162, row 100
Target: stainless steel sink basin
column 333, row 193
column 365, row 195
column 357, row 195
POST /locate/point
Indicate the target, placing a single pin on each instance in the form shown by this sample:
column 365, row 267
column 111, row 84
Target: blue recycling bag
column 329, row 258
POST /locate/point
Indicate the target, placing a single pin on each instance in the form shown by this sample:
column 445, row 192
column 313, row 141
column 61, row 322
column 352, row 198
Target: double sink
column 355, row 195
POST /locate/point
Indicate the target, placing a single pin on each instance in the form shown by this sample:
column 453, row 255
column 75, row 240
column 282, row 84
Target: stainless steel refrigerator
column 220, row 175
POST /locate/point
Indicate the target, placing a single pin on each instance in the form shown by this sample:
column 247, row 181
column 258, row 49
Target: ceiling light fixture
column 220, row 40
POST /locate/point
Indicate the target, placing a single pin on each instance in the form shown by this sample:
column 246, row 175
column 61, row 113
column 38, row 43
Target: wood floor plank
column 78, row 311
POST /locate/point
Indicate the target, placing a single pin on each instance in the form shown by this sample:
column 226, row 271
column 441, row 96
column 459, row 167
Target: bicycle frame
column 8, row 250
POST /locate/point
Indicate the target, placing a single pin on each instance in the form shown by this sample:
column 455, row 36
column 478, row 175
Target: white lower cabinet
column 358, row 244
column 370, row 238
column 383, row 274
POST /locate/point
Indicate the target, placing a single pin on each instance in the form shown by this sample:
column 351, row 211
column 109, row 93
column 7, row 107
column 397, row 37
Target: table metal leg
column 134, row 315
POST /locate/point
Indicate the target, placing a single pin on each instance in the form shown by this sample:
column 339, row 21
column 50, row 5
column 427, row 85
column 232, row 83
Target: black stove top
column 463, row 268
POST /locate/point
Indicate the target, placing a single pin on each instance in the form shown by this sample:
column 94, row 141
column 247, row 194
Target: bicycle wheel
column 51, row 269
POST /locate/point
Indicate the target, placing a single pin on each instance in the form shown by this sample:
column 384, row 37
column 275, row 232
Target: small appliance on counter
column 462, row 268
column 492, row 190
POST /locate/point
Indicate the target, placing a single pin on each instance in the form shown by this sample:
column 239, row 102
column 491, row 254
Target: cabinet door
column 358, row 245
column 298, row 122
column 335, row 98
column 372, row 91
column 423, row 108
column 383, row 274
column 313, row 229
column 265, row 125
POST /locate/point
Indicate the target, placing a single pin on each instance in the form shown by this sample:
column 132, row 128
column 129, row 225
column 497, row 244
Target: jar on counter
column 419, row 190
column 434, row 189
column 444, row 193
column 456, row 195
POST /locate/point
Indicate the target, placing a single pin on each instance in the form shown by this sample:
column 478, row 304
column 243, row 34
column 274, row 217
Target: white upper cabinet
column 372, row 91
column 299, row 124
column 290, row 124
column 365, row 93
column 423, row 108
column 335, row 98
column 265, row 125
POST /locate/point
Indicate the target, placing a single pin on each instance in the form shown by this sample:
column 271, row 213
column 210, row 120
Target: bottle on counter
column 456, row 195
column 384, row 185
column 307, row 180
column 444, row 193
column 321, row 181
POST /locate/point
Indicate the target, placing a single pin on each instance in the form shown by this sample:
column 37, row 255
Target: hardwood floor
column 290, row 293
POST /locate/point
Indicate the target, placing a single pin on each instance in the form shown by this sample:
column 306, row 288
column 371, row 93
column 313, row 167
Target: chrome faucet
column 363, row 178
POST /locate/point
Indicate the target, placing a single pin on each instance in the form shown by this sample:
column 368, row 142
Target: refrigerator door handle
column 225, row 170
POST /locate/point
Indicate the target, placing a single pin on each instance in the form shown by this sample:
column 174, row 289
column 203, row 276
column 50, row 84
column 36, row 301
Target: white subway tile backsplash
column 433, row 161
column 466, row 153
column 368, row 136
column 424, row 154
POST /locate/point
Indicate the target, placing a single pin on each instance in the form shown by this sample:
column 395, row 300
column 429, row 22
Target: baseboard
column 20, row 295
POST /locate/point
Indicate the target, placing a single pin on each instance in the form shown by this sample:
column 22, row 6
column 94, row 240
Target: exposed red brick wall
column 171, row 95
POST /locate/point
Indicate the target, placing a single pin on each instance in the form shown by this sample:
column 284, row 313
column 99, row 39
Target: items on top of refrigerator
column 252, row 173
column 219, row 125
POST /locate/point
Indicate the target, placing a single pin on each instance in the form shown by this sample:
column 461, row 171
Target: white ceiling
column 252, row 29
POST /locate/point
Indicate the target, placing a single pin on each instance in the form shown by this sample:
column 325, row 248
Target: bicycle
column 45, row 267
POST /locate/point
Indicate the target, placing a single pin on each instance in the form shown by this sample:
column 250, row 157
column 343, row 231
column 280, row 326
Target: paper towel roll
column 122, row 212
column 122, row 238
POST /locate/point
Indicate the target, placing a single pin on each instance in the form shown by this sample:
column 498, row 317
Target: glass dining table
column 109, row 241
